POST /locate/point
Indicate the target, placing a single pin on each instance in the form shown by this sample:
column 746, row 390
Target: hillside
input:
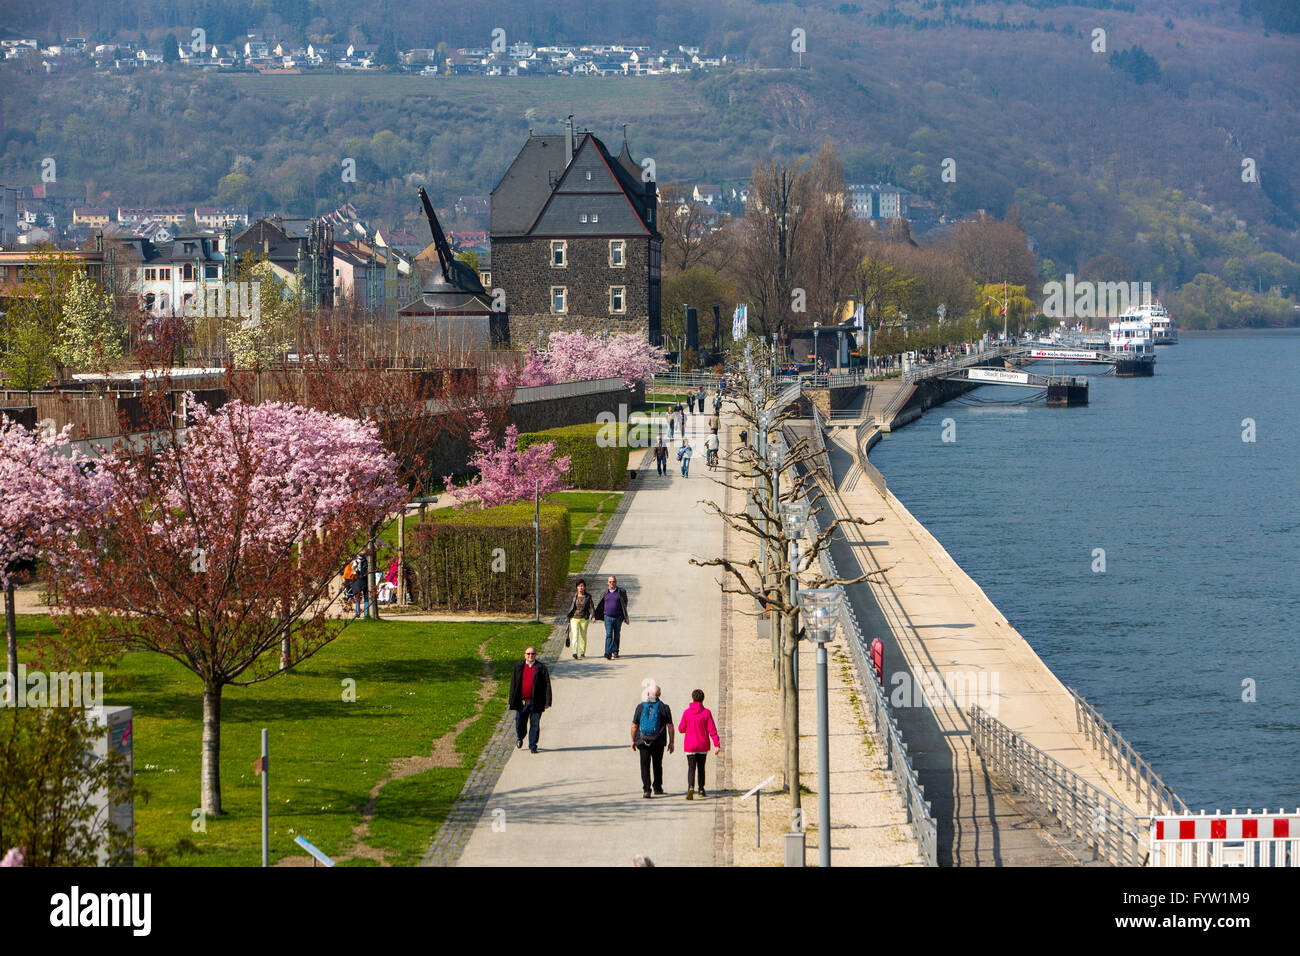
column 1128, row 159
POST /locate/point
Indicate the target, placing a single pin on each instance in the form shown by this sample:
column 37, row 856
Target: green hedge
column 592, row 467
column 452, row 555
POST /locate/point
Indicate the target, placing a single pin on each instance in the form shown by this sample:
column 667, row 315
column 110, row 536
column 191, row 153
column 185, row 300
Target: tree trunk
column 11, row 635
column 372, row 590
column 790, row 707
column 210, row 774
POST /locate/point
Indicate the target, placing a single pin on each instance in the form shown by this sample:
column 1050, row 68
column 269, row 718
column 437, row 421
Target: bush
column 458, row 567
column 592, row 467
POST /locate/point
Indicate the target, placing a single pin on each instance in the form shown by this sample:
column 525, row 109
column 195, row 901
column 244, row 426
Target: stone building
column 574, row 240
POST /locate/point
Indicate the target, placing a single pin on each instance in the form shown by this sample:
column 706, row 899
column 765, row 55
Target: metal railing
column 1113, row 831
column 819, row 442
column 1145, row 783
column 918, row 373
column 897, row 759
column 683, row 379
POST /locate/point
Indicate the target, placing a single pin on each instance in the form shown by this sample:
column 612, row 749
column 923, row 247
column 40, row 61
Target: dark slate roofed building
column 574, row 241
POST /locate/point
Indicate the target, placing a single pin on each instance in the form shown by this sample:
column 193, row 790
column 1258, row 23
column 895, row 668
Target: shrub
column 591, row 466
column 458, row 568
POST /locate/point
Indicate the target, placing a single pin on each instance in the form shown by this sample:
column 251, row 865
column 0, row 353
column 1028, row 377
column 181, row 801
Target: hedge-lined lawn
column 414, row 683
column 589, row 512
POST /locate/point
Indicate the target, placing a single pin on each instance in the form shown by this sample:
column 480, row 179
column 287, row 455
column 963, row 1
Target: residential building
column 216, row 217
column 377, row 278
column 300, row 251
column 879, row 201
column 91, row 216
column 574, row 239
column 168, row 215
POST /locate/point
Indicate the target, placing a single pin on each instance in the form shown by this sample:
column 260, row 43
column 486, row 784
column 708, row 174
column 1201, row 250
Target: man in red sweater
column 530, row 694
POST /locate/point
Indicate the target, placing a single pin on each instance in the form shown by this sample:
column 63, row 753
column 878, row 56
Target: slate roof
column 538, row 196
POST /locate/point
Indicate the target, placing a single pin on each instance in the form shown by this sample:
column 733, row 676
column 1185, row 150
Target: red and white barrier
column 1226, row 839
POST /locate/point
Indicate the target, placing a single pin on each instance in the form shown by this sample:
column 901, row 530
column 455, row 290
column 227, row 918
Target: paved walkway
column 933, row 618
column 578, row 801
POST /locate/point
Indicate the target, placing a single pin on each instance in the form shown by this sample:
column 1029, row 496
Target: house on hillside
column 574, row 239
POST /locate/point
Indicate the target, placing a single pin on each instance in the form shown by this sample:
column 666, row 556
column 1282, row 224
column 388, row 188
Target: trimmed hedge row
column 457, row 566
column 592, row 466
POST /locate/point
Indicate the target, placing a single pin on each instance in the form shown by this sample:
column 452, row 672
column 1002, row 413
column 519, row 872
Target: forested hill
column 1172, row 152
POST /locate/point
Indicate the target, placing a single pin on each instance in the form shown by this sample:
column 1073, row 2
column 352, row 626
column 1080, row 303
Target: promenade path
column 578, row 801
column 934, row 619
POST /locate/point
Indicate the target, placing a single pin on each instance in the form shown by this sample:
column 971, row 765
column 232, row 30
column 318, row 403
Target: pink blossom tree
column 214, row 546
column 574, row 356
column 44, row 488
column 504, row 473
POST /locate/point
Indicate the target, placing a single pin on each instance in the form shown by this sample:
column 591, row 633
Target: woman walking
column 581, row 611
column 697, row 728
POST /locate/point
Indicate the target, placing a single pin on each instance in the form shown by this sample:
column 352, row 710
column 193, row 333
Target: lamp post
column 821, row 607
column 794, row 516
column 817, row 356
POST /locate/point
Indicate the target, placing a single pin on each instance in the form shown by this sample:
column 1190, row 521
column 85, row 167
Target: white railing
column 1112, row 830
column 1138, row 776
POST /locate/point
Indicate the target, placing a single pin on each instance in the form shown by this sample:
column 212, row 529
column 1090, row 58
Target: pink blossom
column 45, row 487
column 504, row 473
column 13, row 858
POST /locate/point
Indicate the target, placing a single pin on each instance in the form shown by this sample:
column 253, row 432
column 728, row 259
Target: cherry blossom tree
column 574, row 356
column 505, row 474
column 215, row 546
column 44, row 487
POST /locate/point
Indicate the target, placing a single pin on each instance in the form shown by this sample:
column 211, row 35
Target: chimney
column 568, row 141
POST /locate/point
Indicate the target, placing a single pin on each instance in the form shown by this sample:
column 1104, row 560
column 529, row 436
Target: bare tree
column 691, row 236
column 767, row 486
column 834, row 238
column 770, row 246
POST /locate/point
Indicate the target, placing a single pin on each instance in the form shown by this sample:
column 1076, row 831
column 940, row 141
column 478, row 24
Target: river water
column 1146, row 549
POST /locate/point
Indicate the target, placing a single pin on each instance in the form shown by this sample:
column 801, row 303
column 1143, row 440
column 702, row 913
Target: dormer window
column 589, row 175
column 582, row 218
column 594, row 217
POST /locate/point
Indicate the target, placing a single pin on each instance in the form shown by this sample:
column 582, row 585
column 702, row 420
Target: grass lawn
column 589, row 512
column 415, row 683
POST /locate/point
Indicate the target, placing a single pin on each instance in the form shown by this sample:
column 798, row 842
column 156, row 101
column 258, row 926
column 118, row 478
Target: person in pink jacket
column 697, row 728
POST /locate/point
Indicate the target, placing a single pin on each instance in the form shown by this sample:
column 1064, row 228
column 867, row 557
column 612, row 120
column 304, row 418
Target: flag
column 740, row 323
column 858, row 317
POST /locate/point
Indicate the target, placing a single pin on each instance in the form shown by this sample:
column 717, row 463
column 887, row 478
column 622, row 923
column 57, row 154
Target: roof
column 539, row 195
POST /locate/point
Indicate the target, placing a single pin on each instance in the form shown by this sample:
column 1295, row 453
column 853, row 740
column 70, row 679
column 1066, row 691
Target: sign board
column 1062, row 353
column 998, row 375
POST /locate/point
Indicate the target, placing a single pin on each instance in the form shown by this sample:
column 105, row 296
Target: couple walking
column 652, row 732
column 610, row 607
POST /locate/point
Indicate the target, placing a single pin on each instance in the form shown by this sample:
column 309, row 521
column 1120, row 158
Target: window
column 187, row 271
column 617, row 249
column 558, row 248
column 617, row 298
column 594, row 217
column 210, row 272
column 589, row 175
column 4, row 273
column 559, row 298
column 165, row 274
column 150, row 274
column 582, row 218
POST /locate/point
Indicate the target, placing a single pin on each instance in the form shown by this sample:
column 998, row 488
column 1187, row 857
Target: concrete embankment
column 948, row 647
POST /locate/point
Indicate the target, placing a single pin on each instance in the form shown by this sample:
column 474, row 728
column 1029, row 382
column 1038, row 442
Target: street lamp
column 817, row 362
column 821, row 611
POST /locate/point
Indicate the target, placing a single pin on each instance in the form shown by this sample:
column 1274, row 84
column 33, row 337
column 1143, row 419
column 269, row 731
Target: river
column 1147, row 546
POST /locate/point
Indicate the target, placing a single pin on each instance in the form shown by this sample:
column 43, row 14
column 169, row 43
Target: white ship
column 1163, row 331
column 1132, row 334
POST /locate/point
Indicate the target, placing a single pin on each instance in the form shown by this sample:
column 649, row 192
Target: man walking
column 530, row 694
column 652, row 726
column 661, row 456
column 684, row 456
column 612, row 609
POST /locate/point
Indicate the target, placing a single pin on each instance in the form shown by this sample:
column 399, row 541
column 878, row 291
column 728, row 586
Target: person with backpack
column 684, row 456
column 652, row 728
column 697, row 729
column 356, row 586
